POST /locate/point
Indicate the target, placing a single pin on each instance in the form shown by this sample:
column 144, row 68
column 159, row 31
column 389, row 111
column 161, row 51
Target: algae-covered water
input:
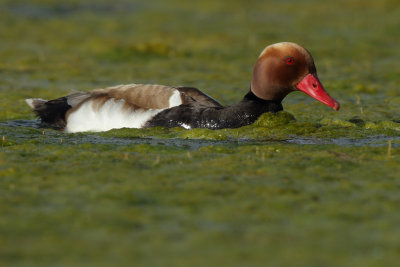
column 306, row 187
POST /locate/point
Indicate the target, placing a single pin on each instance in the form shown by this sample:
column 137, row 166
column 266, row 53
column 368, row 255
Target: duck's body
column 139, row 106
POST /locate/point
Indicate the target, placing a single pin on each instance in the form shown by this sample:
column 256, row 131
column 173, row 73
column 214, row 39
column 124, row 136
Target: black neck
column 267, row 105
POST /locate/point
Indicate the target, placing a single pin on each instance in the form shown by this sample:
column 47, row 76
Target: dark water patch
column 373, row 141
column 194, row 144
column 188, row 144
column 23, row 130
column 22, row 123
column 27, row 130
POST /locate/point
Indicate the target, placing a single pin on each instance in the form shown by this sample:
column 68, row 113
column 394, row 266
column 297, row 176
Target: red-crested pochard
column 280, row 69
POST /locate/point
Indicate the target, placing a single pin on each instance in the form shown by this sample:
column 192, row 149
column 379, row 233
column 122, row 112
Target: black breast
column 244, row 113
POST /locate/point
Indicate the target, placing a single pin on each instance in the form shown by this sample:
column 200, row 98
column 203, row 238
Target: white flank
column 175, row 99
column 111, row 115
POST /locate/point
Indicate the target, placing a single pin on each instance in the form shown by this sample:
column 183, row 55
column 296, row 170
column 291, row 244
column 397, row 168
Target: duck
column 280, row 69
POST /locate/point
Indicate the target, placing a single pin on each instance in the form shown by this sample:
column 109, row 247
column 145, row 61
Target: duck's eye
column 289, row 60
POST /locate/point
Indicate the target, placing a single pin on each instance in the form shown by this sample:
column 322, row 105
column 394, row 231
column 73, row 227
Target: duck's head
column 285, row 67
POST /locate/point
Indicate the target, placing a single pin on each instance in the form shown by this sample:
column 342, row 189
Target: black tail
column 52, row 113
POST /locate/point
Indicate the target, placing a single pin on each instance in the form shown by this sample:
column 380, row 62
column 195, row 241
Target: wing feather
column 147, row 96
column 194, row 96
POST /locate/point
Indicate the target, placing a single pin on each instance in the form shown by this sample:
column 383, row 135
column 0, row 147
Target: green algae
column 337, row 122
column 269, row 120
column 187, row 200
column 254, row 195
column 269, row 126
column 390, row 125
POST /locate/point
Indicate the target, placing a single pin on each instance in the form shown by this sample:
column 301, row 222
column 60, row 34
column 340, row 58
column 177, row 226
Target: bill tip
column 336, row 106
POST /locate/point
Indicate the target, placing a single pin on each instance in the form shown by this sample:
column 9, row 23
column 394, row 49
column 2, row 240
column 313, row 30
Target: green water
column 306, row 187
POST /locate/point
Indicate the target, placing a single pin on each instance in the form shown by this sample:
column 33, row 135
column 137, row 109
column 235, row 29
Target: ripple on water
column 22, row 123
column 373, row 141
column 54, row 136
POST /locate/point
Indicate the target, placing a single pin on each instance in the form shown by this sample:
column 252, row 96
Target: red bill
column 313, row 87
